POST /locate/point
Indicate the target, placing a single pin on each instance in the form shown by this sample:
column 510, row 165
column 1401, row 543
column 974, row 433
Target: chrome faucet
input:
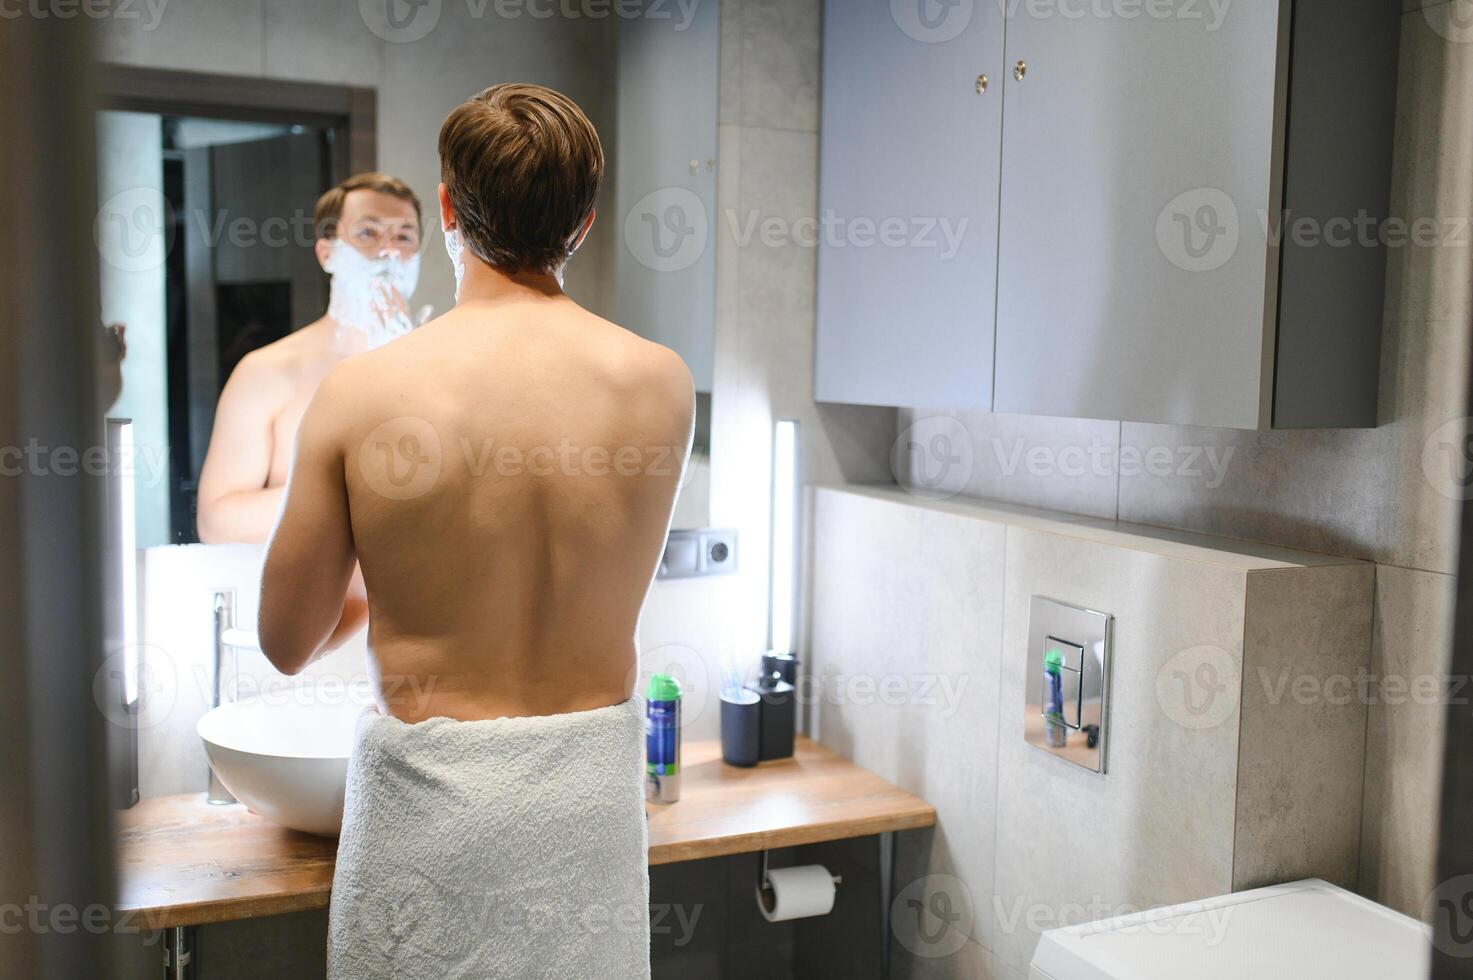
column 224, row 624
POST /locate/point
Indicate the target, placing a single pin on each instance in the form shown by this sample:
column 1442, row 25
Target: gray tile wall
column 765, row 289
column 1248, row 775
column 1388, row 495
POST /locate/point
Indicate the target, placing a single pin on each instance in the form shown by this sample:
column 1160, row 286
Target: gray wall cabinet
column 909, row 157
column 1190, row 207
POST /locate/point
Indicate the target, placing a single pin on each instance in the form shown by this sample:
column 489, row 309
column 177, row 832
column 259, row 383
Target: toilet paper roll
column 796, row 893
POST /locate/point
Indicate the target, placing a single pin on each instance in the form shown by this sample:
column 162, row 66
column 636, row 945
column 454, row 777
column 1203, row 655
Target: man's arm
column 235, row 504
column 310, row 558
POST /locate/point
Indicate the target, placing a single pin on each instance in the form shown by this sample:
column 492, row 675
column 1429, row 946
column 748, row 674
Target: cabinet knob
column 982, row 81
column 1019, row 70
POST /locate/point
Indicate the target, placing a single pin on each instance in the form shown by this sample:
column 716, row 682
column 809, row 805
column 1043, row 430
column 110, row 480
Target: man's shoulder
column 657, row 386
column 668, row 372
column 644, row 361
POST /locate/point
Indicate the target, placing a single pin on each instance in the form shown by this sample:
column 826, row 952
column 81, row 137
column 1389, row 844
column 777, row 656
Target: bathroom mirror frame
column 351, row 112
column 346, row 119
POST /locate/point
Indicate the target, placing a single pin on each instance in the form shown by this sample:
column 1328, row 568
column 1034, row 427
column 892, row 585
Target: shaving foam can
column 662, row 740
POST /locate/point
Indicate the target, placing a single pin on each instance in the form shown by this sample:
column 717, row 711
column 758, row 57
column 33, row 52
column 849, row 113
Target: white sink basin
column 286, row 760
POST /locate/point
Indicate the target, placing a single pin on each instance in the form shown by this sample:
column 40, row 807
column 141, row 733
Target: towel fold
column 507, row 848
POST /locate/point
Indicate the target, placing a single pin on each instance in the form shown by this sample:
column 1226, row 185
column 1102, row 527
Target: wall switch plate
column 699, row 552
column 1067, row 694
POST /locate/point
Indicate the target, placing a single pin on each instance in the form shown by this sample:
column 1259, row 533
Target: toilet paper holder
column 766, row 895
column 763, row 883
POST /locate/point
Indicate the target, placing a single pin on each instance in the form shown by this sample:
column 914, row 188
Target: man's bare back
column 509, row 471
column 505, row 474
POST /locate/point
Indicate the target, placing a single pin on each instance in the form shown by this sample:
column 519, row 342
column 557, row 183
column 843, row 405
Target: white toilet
column 1298, row 931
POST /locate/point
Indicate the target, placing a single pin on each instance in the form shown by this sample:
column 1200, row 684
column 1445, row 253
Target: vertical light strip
column 124, row 519
column 783, row 579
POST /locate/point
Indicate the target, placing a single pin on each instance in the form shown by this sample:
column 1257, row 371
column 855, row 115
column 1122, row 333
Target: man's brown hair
column 329, row 210
column 523, row 166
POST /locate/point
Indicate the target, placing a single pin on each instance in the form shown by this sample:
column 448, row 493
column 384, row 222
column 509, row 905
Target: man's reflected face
column 378, row 224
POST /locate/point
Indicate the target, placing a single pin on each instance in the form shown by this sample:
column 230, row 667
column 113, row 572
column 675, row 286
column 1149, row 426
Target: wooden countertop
column 184, row 862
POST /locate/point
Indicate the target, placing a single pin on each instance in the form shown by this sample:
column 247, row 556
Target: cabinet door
column 908, row 202
column 1138, row 168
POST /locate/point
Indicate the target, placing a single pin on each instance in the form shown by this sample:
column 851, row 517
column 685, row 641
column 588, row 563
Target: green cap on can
column 663, row 687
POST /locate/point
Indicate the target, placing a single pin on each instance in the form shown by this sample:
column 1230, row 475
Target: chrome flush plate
column 1067, row 694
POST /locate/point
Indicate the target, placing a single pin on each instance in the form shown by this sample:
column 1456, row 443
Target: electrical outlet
column 699, row 552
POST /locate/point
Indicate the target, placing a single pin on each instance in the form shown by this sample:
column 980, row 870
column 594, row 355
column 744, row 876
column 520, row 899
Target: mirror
column 208, row 250
column 202, row 265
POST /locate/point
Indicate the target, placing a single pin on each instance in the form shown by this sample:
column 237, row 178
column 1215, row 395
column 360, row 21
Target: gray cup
column 741, row 727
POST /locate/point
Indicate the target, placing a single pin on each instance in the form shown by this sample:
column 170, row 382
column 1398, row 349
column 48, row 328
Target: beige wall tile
column 730, row 108
column 1306, row 647
column 780, row 63
column 970, row 962
column 904, row 659
column 1432, row 278
column 1412, row 647
column 1224, row 770
column 1074, row 846
column 326, row 41
column 212, row 37
column 1061, row 464
column 1320, row 490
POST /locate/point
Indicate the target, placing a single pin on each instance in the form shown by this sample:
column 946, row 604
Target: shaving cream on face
column 362, row 292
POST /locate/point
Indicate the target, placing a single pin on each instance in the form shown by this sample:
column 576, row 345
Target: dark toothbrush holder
column 779, row 706
column 741, row 727
column 779, row 722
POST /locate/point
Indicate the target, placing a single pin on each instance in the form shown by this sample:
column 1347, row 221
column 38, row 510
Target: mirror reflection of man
column 368, row 239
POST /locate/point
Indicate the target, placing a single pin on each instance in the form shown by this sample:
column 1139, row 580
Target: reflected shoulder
column 260, row 376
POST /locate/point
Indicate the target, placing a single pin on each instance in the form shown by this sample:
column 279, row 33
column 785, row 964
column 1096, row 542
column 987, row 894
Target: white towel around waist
column 512, row 848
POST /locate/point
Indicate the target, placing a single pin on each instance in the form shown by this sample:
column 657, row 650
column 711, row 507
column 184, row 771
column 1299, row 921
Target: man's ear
column 578, row 241
column 447, row 210
column 323, row 248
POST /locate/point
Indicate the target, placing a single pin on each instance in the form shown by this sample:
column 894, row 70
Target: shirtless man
column 505, row 474
column 368, row 224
